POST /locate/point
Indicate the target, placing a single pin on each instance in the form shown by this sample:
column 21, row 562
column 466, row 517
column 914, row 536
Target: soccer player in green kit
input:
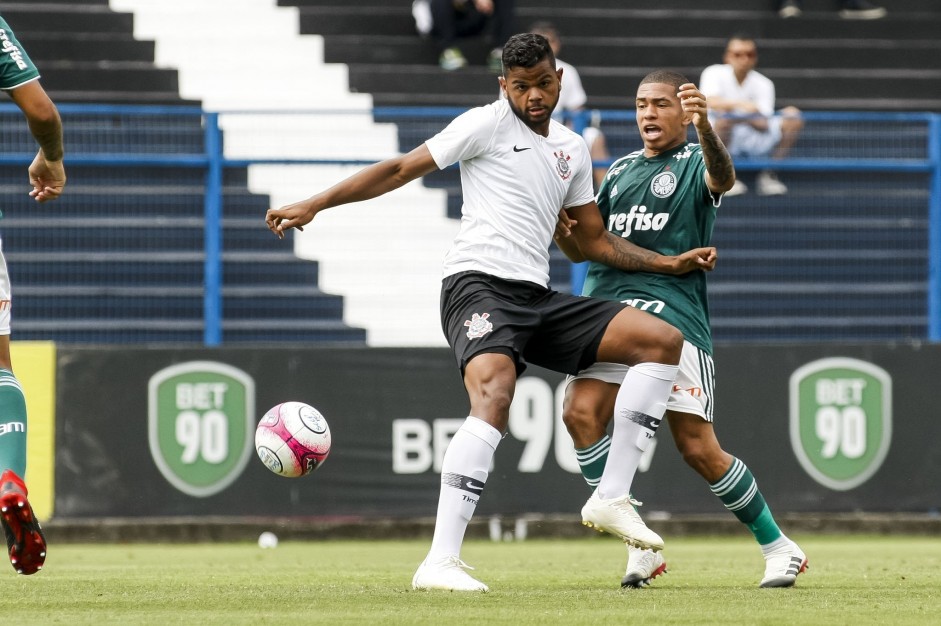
column 664, row 198
column 19, row 78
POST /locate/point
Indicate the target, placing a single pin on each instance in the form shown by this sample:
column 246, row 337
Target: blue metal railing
column 211, row 159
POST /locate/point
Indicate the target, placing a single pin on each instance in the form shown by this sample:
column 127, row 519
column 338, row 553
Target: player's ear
column 502, row 81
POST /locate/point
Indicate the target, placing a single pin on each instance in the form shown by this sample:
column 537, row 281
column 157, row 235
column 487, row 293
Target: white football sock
column 638, row 411
column 464, row 471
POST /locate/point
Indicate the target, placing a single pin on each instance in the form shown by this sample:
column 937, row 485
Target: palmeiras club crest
column 562, row 164
column 663, row 184
column 478, row 326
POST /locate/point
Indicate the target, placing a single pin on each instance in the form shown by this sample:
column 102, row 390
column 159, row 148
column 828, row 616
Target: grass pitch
column 852, row 580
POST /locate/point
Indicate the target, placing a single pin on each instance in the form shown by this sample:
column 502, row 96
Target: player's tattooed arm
column 720, row 173
column 630, row 257
column 719, row 164
column 595, row 243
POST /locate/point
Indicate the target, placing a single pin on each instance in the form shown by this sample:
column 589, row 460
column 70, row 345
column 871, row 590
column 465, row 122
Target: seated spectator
column 572, row 99
column 446, row 21
column 741, row 101
column 849, row 9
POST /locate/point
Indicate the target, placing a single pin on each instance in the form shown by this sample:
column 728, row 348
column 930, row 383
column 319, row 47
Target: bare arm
column 46, row 173
column 368, row 183
column 595, row 243
column 720, row 172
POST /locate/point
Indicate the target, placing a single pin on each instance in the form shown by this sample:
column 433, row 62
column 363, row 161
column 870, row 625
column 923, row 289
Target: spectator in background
column 572, row 99
column 741, row 104
column 19, row 78
column 446, row 21
column 849, row 9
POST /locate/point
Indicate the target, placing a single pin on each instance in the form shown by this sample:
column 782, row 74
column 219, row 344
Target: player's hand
column 47, row 178
column 694, row 104
column 696, row 259
column 290, row 216
column 563, row 228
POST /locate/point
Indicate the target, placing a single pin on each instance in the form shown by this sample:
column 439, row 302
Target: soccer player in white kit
column 20, row 80
column 519, row 169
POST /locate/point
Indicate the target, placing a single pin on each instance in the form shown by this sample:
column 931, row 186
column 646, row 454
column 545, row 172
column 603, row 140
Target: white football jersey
column 514, row 183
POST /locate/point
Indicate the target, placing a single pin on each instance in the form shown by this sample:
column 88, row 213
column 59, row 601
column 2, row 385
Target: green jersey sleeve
column 16, row 68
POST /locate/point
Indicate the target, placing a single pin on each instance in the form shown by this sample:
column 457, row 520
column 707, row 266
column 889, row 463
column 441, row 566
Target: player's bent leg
column 695, row 439
column 642, row 567
column 652, row 348
column 587, row 409
column 634, row 337
column 732, row 482
column 25, row 540
column 586, row 412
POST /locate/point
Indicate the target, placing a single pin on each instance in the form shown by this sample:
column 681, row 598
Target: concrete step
column 671, row 51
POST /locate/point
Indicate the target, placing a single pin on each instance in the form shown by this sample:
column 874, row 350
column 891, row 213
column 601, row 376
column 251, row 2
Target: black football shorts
column 527, row 322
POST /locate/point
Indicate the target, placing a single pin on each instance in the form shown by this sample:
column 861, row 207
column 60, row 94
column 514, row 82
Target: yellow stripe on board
column 34, row 363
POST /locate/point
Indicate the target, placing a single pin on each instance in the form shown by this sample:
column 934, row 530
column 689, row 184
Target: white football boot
column 783, row 565
column 642, row 567
column 448, row 574
column 618, row 517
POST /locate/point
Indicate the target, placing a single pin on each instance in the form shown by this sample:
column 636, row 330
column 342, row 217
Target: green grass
column 852, row 580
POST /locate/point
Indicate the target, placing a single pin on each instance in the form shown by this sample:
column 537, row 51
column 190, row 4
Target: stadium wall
column 834, row 429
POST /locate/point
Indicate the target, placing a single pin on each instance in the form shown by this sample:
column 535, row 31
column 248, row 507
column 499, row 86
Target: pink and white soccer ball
column 292, row 439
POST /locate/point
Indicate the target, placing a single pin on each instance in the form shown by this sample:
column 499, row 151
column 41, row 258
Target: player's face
column 533, row 93
column 660, row 118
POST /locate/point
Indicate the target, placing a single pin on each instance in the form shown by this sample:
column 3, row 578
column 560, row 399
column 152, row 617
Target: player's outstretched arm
column 594, row 243
column 368, row 183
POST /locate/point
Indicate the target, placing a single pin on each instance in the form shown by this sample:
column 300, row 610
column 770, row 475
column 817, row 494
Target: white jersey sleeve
column 466, row 137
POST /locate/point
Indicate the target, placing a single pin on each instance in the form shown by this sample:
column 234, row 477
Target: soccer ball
column 292, row 439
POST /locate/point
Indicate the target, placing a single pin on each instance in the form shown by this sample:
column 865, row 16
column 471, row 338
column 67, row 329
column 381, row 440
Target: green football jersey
column 661, row 204
column 15, row 66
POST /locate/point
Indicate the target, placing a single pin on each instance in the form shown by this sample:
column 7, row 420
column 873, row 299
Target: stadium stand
column 818, row 61
column 120, row 257
column 789, row 266
column 93, row 52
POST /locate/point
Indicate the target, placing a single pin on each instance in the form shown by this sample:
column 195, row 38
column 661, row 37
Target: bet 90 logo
column 201, row 425
column 841, row 420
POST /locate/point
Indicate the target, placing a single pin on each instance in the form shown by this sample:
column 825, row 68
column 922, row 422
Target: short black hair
column 527, row 50
column 666, row 77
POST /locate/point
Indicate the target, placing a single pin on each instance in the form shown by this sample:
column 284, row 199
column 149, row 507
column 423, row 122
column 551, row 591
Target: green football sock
column 12, row 424
column 738, row 491
column 591, row 460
